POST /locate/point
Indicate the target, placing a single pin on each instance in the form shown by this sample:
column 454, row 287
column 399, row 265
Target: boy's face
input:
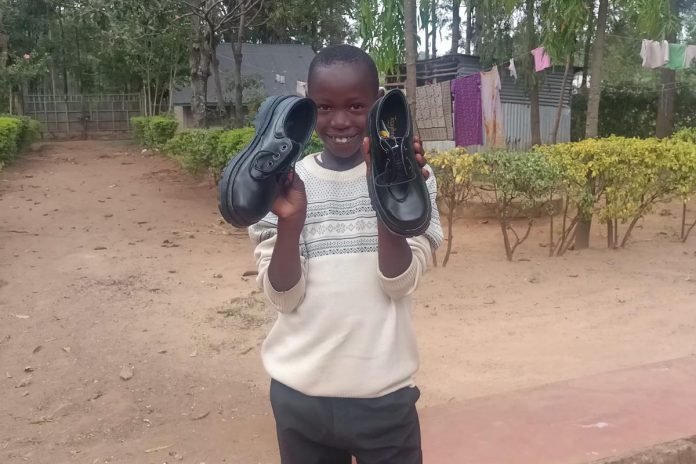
column 344, row 96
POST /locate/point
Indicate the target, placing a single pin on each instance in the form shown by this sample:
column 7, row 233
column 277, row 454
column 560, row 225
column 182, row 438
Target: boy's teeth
column 342, row 139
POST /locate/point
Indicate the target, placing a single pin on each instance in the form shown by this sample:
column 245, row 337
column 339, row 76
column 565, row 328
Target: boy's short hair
column 344, row 54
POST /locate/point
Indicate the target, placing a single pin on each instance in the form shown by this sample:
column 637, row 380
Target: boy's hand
column 417, row 148
column 291, row 203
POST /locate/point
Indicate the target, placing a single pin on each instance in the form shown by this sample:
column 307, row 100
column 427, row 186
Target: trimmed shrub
column 688, row 134
column 194, row 149
column 230, row 143
column 138, row 125
column 10, row 134
column 153, row 131
column 16, row 134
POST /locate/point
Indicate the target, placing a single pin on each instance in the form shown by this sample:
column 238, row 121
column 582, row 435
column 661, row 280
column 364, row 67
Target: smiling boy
column 342, row 353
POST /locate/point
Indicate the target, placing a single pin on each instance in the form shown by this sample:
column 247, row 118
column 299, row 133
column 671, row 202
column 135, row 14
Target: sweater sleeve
column 263, row 235
column 422, row 248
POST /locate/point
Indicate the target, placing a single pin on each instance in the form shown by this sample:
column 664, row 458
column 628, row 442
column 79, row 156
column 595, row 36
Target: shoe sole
column 263, row 119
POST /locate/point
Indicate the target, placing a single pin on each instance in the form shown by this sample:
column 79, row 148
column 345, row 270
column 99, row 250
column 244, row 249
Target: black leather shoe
column 250, row 181
column 396, row 185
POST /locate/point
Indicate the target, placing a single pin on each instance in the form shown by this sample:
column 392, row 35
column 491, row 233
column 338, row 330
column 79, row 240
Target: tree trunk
column 238, row 82
column 456, row 26
column 62, row 54
column 582, row 233
column 214, row 67
column 3, row 43
column 410, row 12
column 534, row 118
column 469, row 28
column 668, row 92
column 19, row 101
column 426, row 29
column 592, row 123
column 199, row 63
column 433, row 27
column 588, row 44
column 477, row 27
column 559, row 108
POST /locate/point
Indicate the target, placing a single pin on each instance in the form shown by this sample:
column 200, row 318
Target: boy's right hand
column 291, row 203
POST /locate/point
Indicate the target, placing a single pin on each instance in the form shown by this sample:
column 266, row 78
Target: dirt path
column 113, row 262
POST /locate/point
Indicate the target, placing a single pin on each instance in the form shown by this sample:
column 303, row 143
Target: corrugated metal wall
column 517, row 128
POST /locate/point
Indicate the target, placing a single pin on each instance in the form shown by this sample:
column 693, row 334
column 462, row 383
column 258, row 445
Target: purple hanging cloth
column 468, row 126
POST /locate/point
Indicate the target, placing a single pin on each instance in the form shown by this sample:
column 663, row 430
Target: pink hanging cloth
column 541, row 59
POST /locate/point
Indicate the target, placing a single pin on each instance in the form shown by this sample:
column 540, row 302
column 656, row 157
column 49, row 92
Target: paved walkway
column 575, row 421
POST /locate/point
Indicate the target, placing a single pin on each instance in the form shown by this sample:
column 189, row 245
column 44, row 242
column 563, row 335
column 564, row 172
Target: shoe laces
column 397, row 169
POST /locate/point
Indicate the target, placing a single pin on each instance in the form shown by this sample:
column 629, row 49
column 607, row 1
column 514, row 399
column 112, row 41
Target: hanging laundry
column 513, row 70
column 689, row 55
column 676, row 56
column 541, row 59
column 655, row 54
column 492, row 109
column 301, row 88
column 467, row 110
column 434, row 103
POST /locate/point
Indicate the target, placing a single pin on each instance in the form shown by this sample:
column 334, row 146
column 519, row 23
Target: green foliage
column 454, row 170
column 518, row 183
column 138, row 126
column 315, row 145
column 381, row 26
column 230, row 143
column 153, row 131
column 10, row 129
column 621, row 179
column 688, row 134
column 159, row 130
column 528, row 177
column 631, row 111
column 194, row 149
column 16, row 134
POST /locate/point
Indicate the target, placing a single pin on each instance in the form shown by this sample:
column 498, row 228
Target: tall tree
column 411, row 28
column 563, row 21
column 535, row 124
column 668, row 77
column 456, row 26
column 380, row 28
column 592, row 124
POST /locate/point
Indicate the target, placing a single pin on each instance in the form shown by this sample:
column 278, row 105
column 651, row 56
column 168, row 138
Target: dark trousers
column 322, row 430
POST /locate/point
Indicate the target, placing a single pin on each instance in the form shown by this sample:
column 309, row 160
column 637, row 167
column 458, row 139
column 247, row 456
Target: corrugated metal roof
column 291, row 61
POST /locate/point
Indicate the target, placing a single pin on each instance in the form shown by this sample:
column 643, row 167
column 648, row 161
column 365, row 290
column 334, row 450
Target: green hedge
column 153, row 131
column 199, row 149
column 16, row 134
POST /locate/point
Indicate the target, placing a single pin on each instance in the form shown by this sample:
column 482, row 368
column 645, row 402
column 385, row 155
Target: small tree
column 518, row 184
column 454, row 170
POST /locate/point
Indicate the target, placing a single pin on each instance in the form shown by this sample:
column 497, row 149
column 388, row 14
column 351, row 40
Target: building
column 278, row 67
column 516, row 107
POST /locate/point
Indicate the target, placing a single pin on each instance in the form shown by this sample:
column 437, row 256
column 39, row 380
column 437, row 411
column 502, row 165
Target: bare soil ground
column 115, row 265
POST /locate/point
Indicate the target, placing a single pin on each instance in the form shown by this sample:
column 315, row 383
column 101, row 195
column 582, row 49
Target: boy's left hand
column 417, row 148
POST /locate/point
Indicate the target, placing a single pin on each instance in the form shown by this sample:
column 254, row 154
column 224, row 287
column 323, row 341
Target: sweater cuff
column 401, row 285
column 288, row 300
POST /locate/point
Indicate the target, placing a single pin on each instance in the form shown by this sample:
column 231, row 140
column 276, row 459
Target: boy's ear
column 381, row 92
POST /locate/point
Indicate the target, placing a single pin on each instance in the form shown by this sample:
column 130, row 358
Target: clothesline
column 629, row 37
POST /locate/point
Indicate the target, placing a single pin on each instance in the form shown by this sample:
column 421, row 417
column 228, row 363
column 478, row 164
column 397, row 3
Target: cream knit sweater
column 345, row 329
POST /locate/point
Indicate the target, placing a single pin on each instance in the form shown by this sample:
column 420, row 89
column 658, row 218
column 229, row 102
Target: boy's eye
column 356, row 107
column 323, row 107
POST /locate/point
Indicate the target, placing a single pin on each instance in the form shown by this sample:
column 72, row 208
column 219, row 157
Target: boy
column 342, row 353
